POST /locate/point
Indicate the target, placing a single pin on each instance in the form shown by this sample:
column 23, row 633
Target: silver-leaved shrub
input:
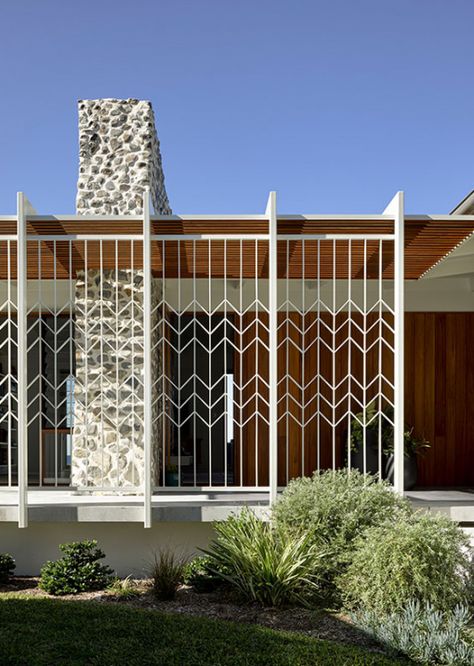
column 422, row 633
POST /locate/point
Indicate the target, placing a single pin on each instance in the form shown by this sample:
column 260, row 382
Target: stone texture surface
column 119, row 157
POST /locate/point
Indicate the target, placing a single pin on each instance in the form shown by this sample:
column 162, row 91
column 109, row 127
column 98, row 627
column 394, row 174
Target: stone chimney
column 119, row 156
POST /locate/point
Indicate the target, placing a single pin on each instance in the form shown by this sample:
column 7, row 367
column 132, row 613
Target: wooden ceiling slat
column 426, row 242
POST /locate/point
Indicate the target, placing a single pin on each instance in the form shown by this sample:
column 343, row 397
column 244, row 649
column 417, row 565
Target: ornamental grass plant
column 264, row 562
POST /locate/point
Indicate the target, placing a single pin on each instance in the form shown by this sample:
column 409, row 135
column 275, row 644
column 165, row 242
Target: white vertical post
column 23, row 209
column 396, row 208
column 147, row 379
column 273, row 341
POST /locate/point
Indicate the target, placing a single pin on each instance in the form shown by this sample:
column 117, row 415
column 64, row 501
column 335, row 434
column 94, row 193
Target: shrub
column 263, row 562
column 424, row 557
column 7, row 567
column 167, row 573
column 79, row 570
column 124, row 588
column 422, row 633
column 198, row 574
column 336, row 507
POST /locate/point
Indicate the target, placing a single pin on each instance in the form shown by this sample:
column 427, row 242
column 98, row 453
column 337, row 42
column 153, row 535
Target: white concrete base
column 69, row 506
column 182, row 522
column 128, row 546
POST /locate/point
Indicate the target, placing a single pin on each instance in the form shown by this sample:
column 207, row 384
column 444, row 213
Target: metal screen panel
column 8, row 366
column 210, row 355
column 85, row 363
column 210, row 402
column 335, row 355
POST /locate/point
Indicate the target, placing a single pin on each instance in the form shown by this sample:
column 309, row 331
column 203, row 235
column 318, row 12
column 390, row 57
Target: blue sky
column 334, row 104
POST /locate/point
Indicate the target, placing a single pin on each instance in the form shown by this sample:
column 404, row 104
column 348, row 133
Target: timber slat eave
column 427, row 240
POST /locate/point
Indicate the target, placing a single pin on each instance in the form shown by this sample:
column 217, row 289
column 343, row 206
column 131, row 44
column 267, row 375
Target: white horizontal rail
column 194, row 237
column 218, row 218
column 336, row 218
column 83, row 237
column 209, row 237
column 339, row 237
column 216, row 489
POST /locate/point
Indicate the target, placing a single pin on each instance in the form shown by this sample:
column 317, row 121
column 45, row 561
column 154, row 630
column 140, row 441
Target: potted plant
column 370, row 418
column 413, row 447
column 172, row 475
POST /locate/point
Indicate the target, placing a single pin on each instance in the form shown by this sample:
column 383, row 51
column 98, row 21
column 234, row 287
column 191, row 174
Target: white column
column 24, row 208
column 273, row 341
column 396, row 208
column 147, row 378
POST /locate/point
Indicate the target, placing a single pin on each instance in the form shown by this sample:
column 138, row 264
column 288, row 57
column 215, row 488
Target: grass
column 41, row 632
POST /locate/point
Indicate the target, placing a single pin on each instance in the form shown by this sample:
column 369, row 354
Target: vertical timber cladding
column 119, row 156
column 335, row 351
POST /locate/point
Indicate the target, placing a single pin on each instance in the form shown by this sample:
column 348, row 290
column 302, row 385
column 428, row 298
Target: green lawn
column 44, row 632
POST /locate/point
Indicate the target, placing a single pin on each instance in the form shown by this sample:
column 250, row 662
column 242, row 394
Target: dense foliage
column 265, row 563
column 79, row 570
column 423, row 634
column 124, row 588
column 199, row 575
column 336, row 507
column 7, row 567
column 167, row 573
column 424, row 557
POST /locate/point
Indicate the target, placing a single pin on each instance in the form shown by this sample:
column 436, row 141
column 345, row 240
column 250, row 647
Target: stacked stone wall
column 119, row 157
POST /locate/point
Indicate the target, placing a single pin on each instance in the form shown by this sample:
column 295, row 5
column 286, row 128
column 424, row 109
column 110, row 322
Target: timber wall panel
column 439, row 394
column 439, row 398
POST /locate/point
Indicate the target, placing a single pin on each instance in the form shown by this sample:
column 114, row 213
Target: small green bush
column 7, row 567
column 124, row 588
column 423, row 634
column 424, row 557
column 198, row 574
column 264, row 563
column 167, row 573
column 336, row 507
column 79, row 570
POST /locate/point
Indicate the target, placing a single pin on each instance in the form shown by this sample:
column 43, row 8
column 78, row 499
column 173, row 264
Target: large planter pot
column 371, row 454
column 172, row 479
column 410, row 470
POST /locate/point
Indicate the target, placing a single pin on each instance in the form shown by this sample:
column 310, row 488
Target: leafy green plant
column 424, row 557
column 7, row 567
column 199, row 575
column 79, row 570
column 167, row 573
column 422, row 633
column 124, row 588
column 265, row 563
column 369, row 417
column 413, row 445
column 335, row 508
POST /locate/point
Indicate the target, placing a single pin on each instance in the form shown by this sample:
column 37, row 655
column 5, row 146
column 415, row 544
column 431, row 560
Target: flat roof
column 180, row 244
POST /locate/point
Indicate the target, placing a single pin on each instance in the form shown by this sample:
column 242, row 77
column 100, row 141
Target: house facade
column 161, row 370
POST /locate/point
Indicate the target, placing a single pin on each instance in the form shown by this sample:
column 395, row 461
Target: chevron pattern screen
column 210, row 359
column 211, row 331
column 8, row 368
column 335, row 355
